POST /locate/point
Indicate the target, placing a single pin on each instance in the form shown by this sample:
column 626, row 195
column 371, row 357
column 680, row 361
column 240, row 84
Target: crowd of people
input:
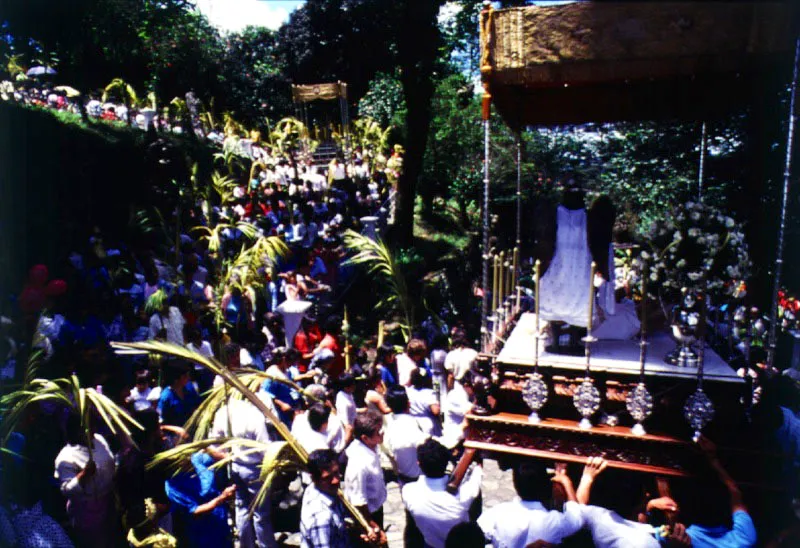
column 390, row 411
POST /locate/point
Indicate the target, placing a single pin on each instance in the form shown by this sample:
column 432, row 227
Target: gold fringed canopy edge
column 608, row 61
column 324, row 92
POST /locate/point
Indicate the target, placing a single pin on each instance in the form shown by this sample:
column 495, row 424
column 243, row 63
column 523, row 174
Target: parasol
column 40, row 71
column 68, row 91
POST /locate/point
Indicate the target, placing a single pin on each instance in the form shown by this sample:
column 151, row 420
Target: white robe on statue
column 565, row 285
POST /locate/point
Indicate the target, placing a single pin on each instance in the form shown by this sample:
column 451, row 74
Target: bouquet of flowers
column 699, row 248
column 788, row 311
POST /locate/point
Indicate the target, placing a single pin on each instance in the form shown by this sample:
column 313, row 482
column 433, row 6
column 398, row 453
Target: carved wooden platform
column 562, row 440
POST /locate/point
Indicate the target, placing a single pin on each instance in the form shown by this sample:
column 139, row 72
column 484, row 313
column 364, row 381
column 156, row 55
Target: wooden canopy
column 322, row 92
column 604, row 61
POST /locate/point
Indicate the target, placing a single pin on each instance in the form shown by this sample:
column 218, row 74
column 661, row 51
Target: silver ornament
column 698, row 411
column 535, row 395
column 640, row 405
column 587, row 402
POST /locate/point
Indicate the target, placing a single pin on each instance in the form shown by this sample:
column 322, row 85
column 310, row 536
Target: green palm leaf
column 379, row 262
column 234, row 381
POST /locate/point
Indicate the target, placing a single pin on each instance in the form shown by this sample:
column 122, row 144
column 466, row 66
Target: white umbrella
column 40, row 71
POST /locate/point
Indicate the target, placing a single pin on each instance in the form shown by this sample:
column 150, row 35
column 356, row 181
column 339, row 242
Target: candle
column 502, row 276
column 346, row 332
column 380, row 332
column 494, row 285
column 643, row 341
column 591, row 299
column 536, row 268
column 644, row 299
column 515, row 283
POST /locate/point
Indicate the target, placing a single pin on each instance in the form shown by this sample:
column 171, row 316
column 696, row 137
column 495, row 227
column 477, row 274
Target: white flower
column 695, row 215
column 653, row 277
column 729, row 222
column 681, row 264
column 733, row 271
column 645, row 255
column 694, row 276
column 694, row 232
column 690, row 205
column 677, row 236
column 701, row 240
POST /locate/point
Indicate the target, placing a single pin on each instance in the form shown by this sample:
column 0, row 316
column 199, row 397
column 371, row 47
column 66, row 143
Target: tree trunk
column 417, row 52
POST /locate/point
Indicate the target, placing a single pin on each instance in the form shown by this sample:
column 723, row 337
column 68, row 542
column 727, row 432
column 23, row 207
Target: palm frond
column 279, row 458
column 201, row 421
column 155, row 302
column 69, row 393
column 234, row 381
column 123, row 89
column 379, row 261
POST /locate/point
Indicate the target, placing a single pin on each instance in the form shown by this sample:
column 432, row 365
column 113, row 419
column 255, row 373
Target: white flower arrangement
column 700, row 247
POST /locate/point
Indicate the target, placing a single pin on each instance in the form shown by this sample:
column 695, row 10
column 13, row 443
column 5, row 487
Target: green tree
column 254, row 77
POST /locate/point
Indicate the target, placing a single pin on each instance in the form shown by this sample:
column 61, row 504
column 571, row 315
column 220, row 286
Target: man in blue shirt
column 743, row 532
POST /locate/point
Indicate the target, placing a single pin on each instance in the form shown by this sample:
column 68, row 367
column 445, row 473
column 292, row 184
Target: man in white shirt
column 458, row 404
column 608, row 528
column 241, row 419
column 434, row 510
column 346, row 404
column 363, row 480
column 403, row 436
column 409, row 361
column 311, row 428
column 523, row 521
column 460, row 359
column 168, row 323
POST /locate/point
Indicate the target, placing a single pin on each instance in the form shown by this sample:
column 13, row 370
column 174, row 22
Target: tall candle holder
column 699, row 409
column 535, row 390
column 639, row 401
column 587, row 398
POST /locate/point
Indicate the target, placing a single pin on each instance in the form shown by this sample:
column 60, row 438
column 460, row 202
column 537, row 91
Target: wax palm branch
column 223, row 185
column 287, row 134
column 380, row 263
column 214, row 235
column 235, row 382
column 229, row 157
column 14, row 66
column 201, row 421
column 232, row 126
column 125, row 92
column 85, row 402
column 369, row 134
column 278, row 458
column 149, row 221
column 121, row 89
column 155, row 302
column 265, row 251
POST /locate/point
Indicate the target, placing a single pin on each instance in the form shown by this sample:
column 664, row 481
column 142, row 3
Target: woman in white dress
column 293, row 308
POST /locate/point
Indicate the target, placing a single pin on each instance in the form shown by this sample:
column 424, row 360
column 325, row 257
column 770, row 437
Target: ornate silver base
column 683, row 356
column 585, row 424
column 638, row 429
column 534, row 418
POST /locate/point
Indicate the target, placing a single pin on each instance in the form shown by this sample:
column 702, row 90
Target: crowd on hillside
column 384, row 411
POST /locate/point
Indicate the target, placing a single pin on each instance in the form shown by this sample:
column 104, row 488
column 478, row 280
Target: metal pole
column 485, row 255
column 702, row 163
column 519, row 189
column 787, row 172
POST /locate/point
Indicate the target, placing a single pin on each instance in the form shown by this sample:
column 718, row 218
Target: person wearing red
column 333, row 328
column 306, row 341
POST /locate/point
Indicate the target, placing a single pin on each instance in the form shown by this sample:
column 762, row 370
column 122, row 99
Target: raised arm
column 594, row 466
column 737, row 501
